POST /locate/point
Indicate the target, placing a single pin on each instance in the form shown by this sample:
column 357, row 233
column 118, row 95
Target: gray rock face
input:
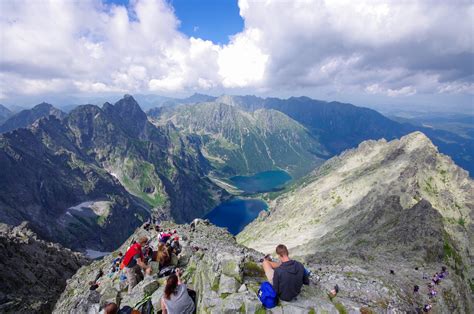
column 33, row 272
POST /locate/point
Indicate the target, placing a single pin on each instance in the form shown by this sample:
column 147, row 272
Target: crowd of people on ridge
column 285, row 276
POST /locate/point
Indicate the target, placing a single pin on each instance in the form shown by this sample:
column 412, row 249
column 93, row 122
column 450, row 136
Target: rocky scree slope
column 89, row 180
column 226, row 277
column 384, row 205
column 239, row 142
column 33, row 272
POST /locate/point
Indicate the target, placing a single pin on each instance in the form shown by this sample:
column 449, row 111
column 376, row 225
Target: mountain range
column 238, row 142
column 377, row 221
column 89, row 179
column 374, row 218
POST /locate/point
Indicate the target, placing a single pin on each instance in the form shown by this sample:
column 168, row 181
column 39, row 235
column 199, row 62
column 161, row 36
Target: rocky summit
column 398, row 205
column 33, row 272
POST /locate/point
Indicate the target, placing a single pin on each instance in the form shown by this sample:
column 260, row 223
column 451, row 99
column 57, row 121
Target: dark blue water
column 261, row 182
column 236, row 214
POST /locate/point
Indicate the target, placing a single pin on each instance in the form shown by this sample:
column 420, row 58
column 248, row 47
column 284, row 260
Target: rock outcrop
column 385, row 205
column 33, row 272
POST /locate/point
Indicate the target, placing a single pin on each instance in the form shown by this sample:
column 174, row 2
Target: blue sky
column 213, row 20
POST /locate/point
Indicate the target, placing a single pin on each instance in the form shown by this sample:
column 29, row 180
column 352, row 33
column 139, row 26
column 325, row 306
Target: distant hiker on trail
column 177, row 298
column 287, row 277
column 134, row 262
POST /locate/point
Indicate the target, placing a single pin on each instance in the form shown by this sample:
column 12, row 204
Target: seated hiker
column 287, row 277
column 176, row 298
column 176, row 246
column 164, row 237
column 134, row 262
column 147, row 253
column 163, row 257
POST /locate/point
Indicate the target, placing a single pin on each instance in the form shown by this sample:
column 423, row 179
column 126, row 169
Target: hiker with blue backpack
column 286, row 276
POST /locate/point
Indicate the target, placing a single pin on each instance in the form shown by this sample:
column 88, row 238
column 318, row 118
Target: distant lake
column 236, row 214
column 261, row 182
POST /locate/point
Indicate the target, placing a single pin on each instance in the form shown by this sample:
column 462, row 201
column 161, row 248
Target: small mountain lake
column 261, row 182
column 237, row 213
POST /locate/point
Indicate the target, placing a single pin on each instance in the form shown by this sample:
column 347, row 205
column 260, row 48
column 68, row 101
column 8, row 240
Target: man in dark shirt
column 286, row 277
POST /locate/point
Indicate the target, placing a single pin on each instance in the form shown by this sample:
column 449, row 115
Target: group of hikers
column 285, row 276
column 140, row 260
column 432, row 292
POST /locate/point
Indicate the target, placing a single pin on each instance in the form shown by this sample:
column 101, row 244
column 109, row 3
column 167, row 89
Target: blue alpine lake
column 236, row 214
column 261, row 182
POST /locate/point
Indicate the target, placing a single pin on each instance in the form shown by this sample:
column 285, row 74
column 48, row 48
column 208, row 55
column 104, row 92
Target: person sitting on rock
column 176, row 298
column 134, row 262
column 163, row 257
column 287, row 277
column 164, row 237
column 176, row 246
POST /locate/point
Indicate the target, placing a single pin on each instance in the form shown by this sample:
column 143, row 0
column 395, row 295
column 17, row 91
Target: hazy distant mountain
column 5, row 113
column 26, row 117
column 238, row 142
column 340, row 126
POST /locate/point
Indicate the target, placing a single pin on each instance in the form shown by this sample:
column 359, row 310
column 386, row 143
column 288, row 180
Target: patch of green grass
column 252, row 269
column 462, row 221
column 260, row 310
column 340, row 308
column 451, row 254
column 312, row 311
column 101, row 220
column 225, row 295
column 215, row 284
column 242, row 309
column 430, row 187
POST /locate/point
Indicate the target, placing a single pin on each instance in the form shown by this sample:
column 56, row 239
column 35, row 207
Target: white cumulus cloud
column 392, row 48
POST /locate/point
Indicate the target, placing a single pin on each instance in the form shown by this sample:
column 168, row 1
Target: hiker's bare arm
column 178, row 274
column 164, row 310
column 141, row 263
column 274, row 264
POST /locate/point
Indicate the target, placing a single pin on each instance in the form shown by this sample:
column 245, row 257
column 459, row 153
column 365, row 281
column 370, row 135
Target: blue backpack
column 267, row 295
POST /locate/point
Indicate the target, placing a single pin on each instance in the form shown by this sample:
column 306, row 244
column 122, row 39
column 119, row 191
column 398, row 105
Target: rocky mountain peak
column 129, row 113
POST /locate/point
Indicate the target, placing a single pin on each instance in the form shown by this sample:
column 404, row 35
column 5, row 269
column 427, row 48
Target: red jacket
column 132, row 251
